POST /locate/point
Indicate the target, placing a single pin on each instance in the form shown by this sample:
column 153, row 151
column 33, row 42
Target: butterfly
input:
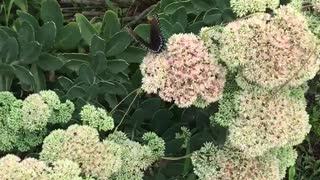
column 157, row 41
column 271, row 12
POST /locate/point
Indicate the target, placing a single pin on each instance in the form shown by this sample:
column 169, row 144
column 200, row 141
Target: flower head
column 264, row 122
column 271, row 51
column 244, row 7
column 96, row 118
column 184, row 73
column 211, row 162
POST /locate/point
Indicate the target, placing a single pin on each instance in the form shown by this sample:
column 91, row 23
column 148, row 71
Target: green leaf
column 39, row 78
column 10, row 51
column 24, row 75
column 137, row 118
column 68, row 37
column 213, row 16
column 180, row 16
column 3, row 38
column 49, row 62
column 99, row 62
column 76, row 92
column 97, row 44
column 165, row 3
column 75, row 64
column 65, row 83
column 177, row 28
column 118, row 43
column 166, row 28
column 30, row 52
column 22, row 4
column 26, row 33
column 26, row 17
column 203, row 4
column 6, row 69
column 86, row 29
column 111, row 25
column 143, row 30
column 118, row 65
column 132, row 55
column 161, row 120
column 114, row 88
column 171, row 8
column 50, row 11
column 46, row 35
column 86, row 74
column 196, row 27
column 150, row 106
column 111, row 100
column 9, row 31
column 228, row 15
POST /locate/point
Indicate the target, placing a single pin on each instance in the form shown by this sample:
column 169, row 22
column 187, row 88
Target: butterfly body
column 157, row 40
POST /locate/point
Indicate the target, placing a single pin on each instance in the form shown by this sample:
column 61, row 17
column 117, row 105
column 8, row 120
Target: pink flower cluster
column 184, row 73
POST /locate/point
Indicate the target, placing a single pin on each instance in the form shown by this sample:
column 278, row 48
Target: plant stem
column 134, row 99
column 112, row 111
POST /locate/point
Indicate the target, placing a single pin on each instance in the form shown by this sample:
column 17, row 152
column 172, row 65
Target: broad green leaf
column 65, row 82
column 26, row 33
column 65, row 57
column 111, row 100
column 172, row 7
column 143, row 30
column 86, row 74
column 164, row 3
column 180, row 16
column 22, row 4
column 161, row 120
column 46, row 35
column 118, row 43
column 9, row 31
column 117, row 65
column 76, row 92
column 111, row 25
column 74, row 64
column 99, row 62
column 50, row 11
column 204, row 4
column 112, row 87
column 3, row 38
column 49, row 62
column 137, row 118
column 6, row 69
column 39, row 78
column 228, row 15
column 24, row 75
column 292, row 173
column 86, row 29
column 97, row 44
column 213, row 17
column 68, row 37
column 196, row 27
column 26, row 17
column 132, row 55
column 10, row 51
column 166, row 27
column 150, row 106
column 177, row 28
column 30, row 52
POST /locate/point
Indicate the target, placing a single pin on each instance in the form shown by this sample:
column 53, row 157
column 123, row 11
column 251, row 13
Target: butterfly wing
column 156, row 38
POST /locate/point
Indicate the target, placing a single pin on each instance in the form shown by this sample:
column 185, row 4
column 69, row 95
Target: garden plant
column 159, row 89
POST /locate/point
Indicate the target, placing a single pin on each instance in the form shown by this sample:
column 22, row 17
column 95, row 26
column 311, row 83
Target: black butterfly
column 157, row 40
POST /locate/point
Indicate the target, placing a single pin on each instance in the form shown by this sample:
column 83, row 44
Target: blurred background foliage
column 81, row 50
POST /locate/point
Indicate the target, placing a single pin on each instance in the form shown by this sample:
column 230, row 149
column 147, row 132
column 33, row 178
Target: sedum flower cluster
column 269, row 59
column 12, row 167
column 23, row 123
column 185, row 73
column 244, row 7
column 271, row 51
column 311, row 9
column 116, row 157
column 211, row 162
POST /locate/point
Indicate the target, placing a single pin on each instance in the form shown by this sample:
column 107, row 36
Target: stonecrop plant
column 221, row 91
